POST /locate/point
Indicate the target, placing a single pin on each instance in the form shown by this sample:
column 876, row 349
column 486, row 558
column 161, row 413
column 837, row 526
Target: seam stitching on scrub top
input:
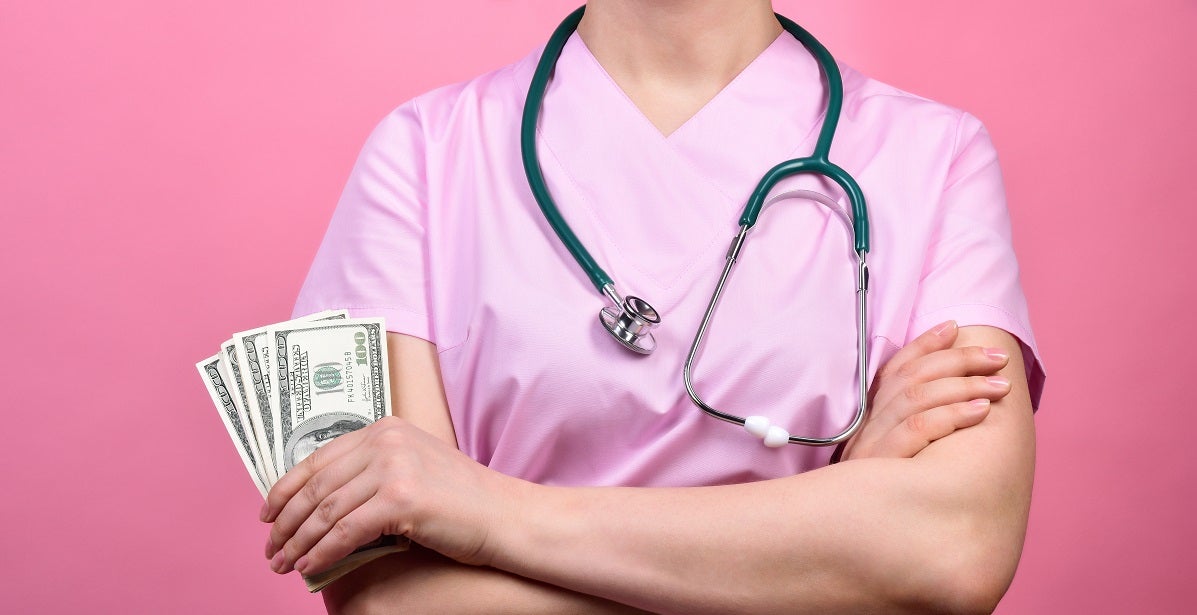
column 385, row 307
column 955, row 145
column 356, row 306
column 714, row 99
column 431, row 332
column 1013, row 318
column 970, row 173
column 440, row 350
column 570, row 178
column 1024, row 336
column 887, row 341
column 611, row 240
column 426, row 244
column 817, row 125
column 814, row 128
column 349, row 306
column 689, row 267
column 644, row 119
column 602, row 229
column 935, row 232
column 956, row 152
column 961, row 116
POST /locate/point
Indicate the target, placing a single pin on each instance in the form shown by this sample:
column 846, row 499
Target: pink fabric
column 437, row 232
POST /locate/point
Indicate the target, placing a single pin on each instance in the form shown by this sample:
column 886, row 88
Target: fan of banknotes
column 285, row 390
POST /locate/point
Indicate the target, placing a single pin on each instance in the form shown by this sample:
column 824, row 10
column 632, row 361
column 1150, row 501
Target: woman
column 573, row 476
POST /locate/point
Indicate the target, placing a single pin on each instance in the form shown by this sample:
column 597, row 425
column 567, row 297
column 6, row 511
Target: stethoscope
column 630, row 320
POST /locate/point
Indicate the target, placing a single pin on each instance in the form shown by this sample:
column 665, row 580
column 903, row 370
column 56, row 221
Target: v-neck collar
column 656, row 202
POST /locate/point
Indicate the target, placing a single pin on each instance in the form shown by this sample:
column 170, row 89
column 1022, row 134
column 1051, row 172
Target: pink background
column 146, row 146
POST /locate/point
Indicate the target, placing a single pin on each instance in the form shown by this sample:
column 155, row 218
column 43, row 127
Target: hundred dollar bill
column 235, row 383
column 332, row 378
column 213, row 378
column 256, row 361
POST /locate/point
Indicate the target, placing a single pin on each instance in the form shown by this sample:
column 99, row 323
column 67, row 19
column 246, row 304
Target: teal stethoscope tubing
column 815, row 164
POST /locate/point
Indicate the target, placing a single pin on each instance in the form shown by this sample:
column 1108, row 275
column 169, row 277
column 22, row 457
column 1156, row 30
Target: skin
column 672, row 56
column 926, row 512
column 940, row 527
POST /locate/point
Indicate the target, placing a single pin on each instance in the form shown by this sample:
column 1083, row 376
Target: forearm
column 942, row 531
column 422, row 581
column 796, row 544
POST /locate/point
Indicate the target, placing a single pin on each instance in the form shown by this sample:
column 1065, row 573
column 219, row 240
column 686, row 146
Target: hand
column 390, row 478
column 928, row 390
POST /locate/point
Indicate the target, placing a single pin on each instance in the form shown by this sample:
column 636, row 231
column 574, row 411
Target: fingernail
column 996, row 354
column 276, row 562
column 998, row 381
column 944, row 328
column 301, row 564
column 265, row 510
column 269, row 548
column 977, row 406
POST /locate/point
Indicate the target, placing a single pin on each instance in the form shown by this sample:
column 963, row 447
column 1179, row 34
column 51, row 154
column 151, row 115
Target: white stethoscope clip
column 762, row 428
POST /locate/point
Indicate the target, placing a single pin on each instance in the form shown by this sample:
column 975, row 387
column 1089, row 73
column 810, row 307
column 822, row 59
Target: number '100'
column 359, row 339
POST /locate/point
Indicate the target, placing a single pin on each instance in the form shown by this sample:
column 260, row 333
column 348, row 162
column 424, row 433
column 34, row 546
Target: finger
column 939, row 337
column 332, row 509
column 315, row 491
column 922, row 397
column 947, row 363
column 290, row 483
column 361, row 526
column 916, row 398
column 962, row 361
column 921, row 429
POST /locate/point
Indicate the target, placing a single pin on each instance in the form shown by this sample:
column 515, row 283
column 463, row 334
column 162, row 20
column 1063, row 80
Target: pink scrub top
column 437, row 231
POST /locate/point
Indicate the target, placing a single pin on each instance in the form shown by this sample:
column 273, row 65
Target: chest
column 536, row 386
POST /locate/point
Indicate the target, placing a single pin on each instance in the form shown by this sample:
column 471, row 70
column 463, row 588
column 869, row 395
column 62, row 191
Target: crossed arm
column 912, row 520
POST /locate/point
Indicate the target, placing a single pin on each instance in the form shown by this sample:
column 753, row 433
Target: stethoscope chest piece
column 631, row 323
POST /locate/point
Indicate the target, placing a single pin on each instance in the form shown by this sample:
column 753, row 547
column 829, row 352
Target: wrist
column 530, row 530
column 519, row 509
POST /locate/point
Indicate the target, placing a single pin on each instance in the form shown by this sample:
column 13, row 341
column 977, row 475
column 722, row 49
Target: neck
column 687, row 43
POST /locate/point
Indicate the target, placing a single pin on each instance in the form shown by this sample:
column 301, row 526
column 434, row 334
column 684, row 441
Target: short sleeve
column 970, row 273
column 373, row 260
